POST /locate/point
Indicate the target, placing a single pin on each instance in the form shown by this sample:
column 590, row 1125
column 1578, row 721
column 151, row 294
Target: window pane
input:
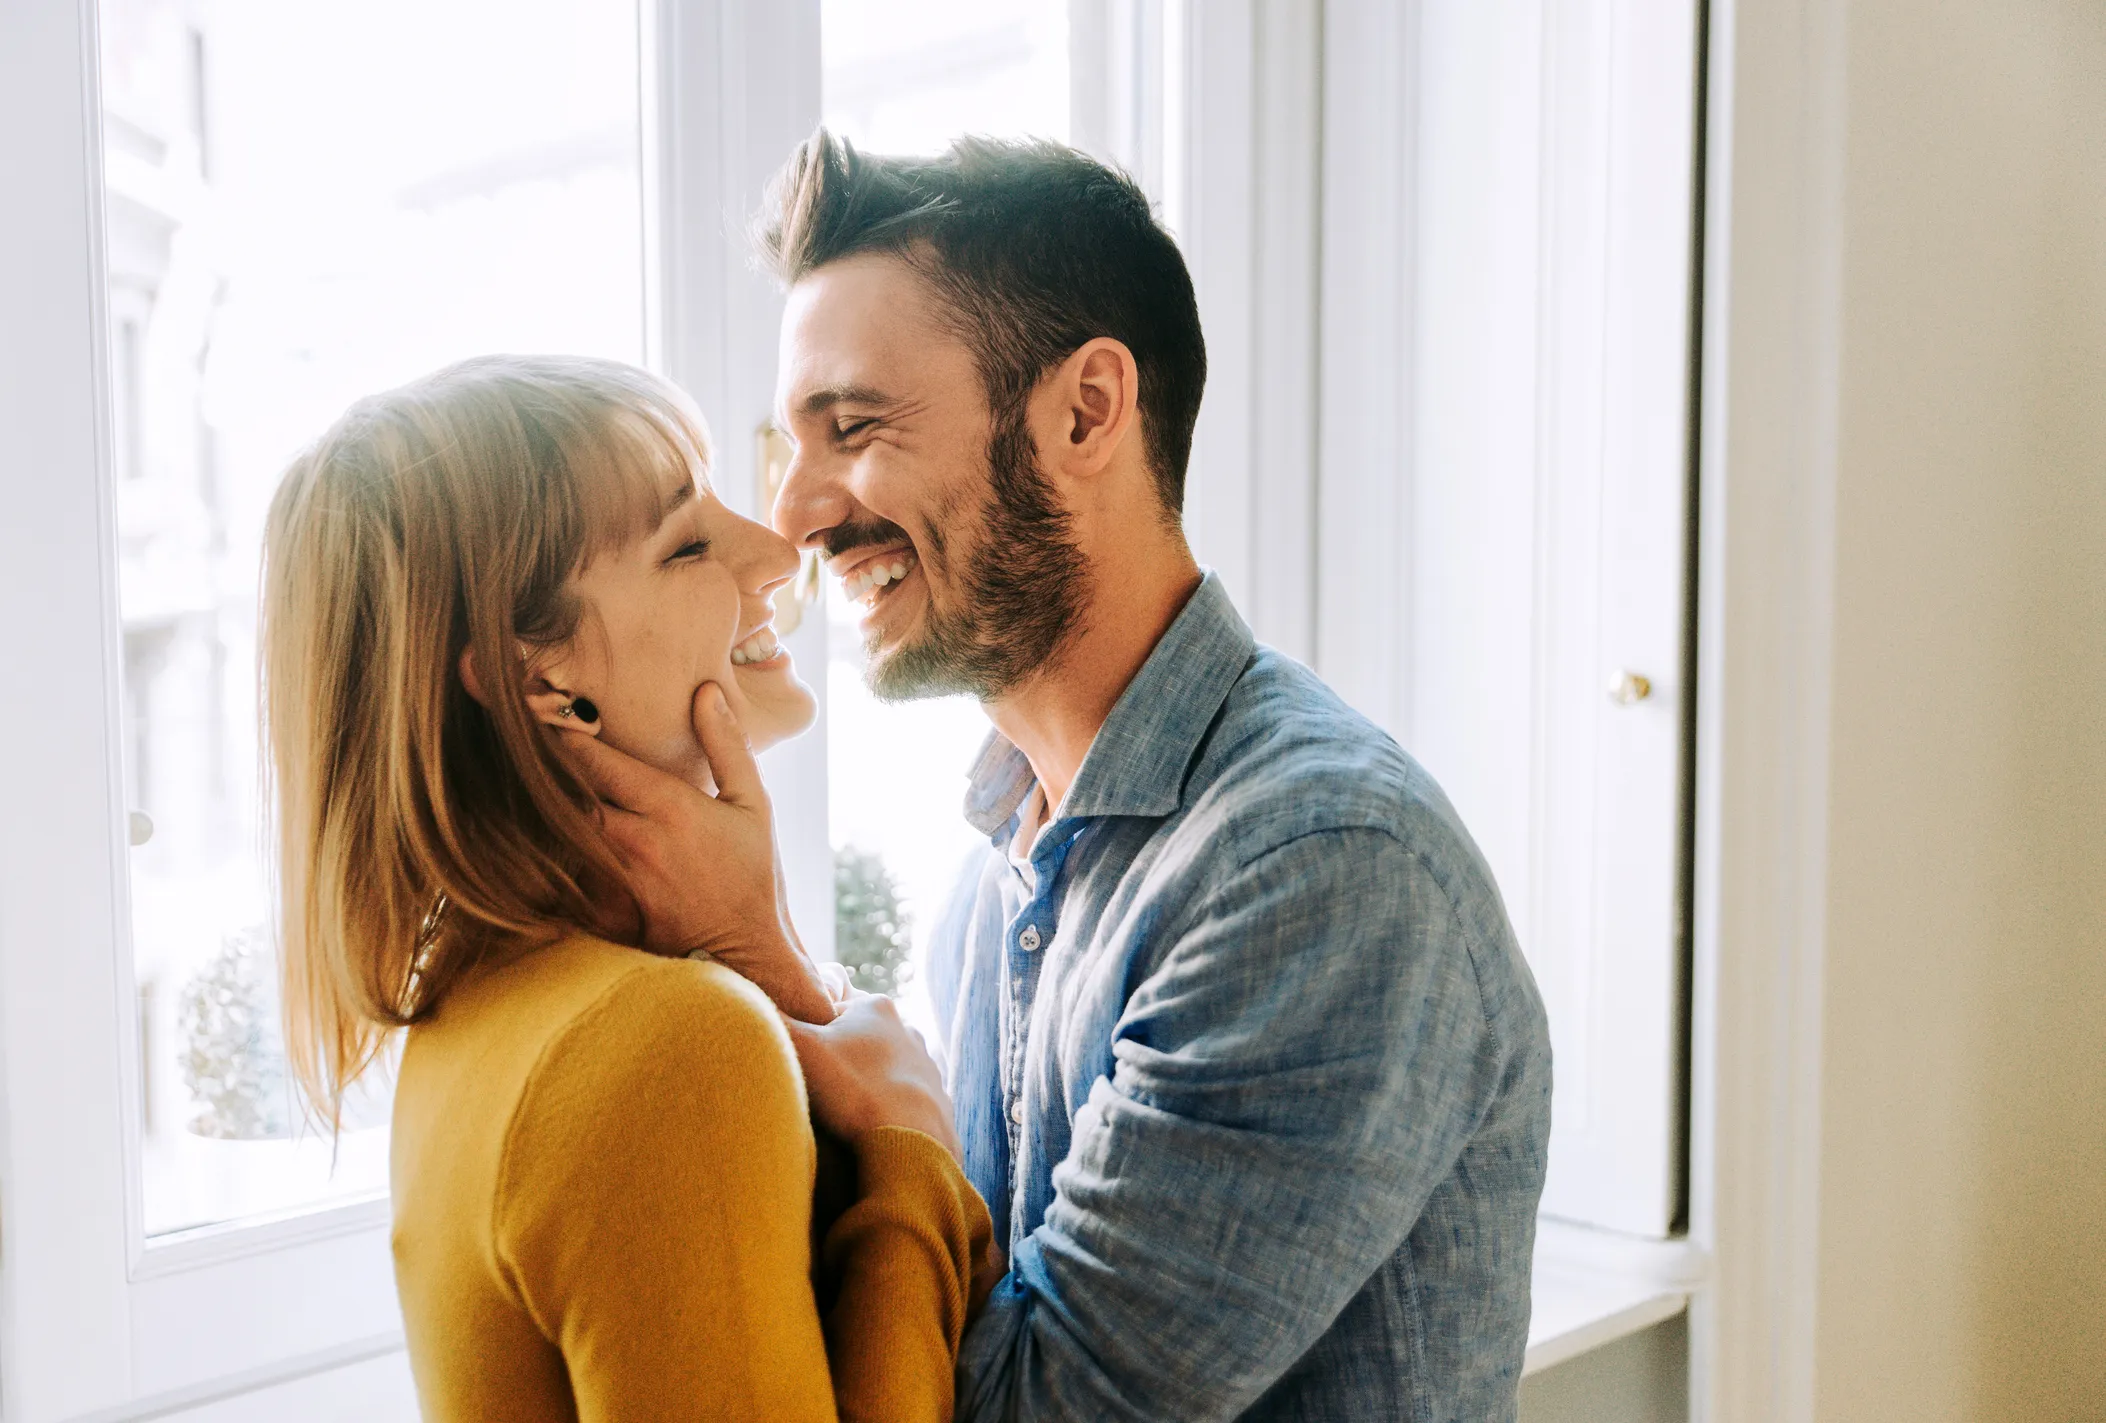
column 908, row 78
column 307, row 202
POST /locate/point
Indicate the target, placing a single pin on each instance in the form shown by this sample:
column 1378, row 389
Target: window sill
column 1592, row 1288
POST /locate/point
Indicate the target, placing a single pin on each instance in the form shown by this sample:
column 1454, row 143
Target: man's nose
column 810, row 501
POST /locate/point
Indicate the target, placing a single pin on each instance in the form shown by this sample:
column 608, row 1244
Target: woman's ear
column 471, row 679
column 553, row 706
column 550, row 704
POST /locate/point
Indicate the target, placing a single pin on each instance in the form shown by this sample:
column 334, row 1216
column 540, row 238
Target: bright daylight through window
column 306, row 203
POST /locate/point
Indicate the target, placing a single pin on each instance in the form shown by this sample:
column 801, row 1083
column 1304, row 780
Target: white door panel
column 1503, row 506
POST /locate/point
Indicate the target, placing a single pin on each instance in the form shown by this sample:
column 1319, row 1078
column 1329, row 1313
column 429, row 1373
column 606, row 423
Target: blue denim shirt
column 1256, row 1082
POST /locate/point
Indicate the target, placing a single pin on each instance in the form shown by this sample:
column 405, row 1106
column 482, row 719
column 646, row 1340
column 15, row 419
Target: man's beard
column 1022, row 584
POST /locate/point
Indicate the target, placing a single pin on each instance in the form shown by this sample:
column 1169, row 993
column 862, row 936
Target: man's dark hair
column 1034, row 248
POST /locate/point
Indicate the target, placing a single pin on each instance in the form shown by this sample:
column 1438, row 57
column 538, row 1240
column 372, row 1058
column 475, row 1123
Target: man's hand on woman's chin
column 704, row 868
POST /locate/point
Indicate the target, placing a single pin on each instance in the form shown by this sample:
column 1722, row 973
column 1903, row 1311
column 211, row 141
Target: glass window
column 908, row 78
column 306, row 203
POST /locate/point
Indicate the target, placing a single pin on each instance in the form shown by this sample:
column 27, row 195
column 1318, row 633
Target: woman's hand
column 867, row 1069
column 704, row 869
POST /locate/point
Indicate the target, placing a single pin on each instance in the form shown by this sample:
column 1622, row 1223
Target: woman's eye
column 694, row 548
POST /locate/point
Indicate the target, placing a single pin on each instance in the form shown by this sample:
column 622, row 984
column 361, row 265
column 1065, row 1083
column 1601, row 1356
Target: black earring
column 584, row 710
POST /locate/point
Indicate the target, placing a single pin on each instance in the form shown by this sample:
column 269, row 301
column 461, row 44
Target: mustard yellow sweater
column 603, row 1173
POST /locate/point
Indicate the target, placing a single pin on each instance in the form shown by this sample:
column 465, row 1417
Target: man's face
column 931, row 511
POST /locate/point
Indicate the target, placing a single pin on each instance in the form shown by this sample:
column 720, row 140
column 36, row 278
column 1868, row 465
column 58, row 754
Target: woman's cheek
column 783, row 708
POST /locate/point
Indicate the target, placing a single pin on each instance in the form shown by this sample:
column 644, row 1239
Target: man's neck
column 1055, row 716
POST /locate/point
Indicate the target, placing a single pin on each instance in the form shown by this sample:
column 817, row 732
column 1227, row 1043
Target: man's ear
column 1096, row 406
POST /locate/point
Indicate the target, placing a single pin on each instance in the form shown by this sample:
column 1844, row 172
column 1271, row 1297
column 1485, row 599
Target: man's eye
column 848, row 430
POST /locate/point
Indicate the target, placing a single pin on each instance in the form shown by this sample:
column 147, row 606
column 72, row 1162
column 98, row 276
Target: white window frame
column 1215, row 109
column 1771, row 350
column 96, row 1322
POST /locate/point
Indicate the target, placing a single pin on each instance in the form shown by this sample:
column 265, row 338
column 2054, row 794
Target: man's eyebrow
column 828, row 396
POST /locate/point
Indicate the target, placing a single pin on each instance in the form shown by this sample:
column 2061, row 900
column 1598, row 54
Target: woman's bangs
column 632, row 462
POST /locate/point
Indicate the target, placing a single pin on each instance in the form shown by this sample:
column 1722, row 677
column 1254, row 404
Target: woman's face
column 686, row 603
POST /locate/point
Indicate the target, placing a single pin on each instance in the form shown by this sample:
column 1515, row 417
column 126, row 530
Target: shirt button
column 1016, row 1111
column 1028, row 940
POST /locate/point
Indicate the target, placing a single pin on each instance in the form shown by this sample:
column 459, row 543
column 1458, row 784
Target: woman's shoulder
column 618, row 1006
column 588, row 987
column 560, row 1104
column 541, row 1047
column 660, row 1074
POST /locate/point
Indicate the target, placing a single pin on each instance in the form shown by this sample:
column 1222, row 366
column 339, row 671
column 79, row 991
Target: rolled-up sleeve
column 1302, row 1063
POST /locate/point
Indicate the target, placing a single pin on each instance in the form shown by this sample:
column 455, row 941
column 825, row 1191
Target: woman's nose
column 763, row 558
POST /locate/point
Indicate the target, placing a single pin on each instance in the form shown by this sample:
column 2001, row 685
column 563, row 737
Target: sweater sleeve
column 905, row 1254
column 653, row 1210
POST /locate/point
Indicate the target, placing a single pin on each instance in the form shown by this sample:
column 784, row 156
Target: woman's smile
column 760, row 651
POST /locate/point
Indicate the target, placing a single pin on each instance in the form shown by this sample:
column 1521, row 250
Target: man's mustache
column 847, row 538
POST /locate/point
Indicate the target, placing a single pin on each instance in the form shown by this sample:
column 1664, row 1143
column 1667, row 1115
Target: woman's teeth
column 877, row 574
column 761, row 647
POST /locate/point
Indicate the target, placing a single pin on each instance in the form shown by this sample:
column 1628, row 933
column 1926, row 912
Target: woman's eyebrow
column 675, row 500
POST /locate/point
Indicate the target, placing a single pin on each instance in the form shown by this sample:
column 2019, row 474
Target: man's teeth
column 877, row 574
column 761, row 647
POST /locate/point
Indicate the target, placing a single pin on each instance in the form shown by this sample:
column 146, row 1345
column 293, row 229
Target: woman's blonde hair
column 417, row 825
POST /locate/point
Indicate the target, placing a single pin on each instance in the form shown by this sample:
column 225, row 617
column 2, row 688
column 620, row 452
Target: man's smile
column 868, row 576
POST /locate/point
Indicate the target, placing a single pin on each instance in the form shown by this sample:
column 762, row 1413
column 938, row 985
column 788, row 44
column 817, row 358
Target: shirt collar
column 1137, row 763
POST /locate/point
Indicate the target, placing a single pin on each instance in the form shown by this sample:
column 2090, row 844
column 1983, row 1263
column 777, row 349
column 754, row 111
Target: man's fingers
column 837, row 981
column 626, row 829
column 618, row 779
column 730, row 755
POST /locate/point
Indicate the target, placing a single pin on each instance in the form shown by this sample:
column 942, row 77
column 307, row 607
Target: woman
column 603, row 1164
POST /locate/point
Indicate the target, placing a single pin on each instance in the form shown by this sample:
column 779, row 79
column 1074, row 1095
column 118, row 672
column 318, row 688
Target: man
column 1246, row 1061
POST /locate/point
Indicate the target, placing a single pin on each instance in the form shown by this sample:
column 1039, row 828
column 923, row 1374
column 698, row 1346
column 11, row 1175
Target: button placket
column 1036, row 918
column 1021, row 968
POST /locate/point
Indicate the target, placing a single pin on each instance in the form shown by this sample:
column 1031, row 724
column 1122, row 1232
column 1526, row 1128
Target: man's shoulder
column 1289, row 764
column 1287, row 757
column 1302, row 808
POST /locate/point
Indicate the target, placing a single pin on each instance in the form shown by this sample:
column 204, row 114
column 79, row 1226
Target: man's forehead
column 858, row 327
column 872, row 293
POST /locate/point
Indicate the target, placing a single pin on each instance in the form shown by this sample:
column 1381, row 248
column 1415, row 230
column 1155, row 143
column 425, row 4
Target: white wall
column 1962, row 1260
column 1643, row 1378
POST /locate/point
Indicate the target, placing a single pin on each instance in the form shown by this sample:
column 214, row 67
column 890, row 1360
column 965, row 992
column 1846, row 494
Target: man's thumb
column 730, row 755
